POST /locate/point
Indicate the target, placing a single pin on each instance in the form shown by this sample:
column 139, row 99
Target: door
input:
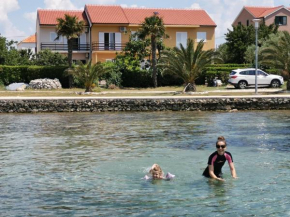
column 263, row 78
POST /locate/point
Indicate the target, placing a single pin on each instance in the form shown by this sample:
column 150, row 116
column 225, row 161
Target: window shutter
column 118, row 41
column 284, row 20
column 276, row 21
column 181, row 38
column 83, row 38
column 101, row 41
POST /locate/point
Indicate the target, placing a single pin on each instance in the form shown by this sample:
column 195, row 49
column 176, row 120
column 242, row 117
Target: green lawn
column 160, row 91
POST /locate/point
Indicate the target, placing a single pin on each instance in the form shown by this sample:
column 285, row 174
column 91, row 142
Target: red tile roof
column 106, row 14
column 119, row 15
column 170, row 16
column 48, row 17
column 30, row 39
column 262, row 11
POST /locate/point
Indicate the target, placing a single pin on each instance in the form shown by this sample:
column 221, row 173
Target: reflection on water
column 92, row 164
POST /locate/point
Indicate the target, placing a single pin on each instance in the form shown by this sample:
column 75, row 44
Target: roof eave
column 276, row 11
column 241, row 12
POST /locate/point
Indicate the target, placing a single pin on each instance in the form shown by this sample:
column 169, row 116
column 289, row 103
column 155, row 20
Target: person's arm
column 233, row 170
column 211, row 173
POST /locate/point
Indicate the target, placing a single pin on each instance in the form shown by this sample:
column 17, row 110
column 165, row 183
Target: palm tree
column 277, row 54
column 154, row 27
column 187, row 63
column 70, row 27
column 88, row 73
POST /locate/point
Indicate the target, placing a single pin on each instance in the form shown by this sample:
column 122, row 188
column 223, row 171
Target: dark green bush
column 12, row 74
column 136, row 78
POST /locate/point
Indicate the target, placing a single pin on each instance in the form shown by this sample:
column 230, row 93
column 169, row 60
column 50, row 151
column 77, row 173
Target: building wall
column 170, row 42
column 26, row 46
column 37, row 36
column 243, row 17
column 191, row 33
column 43, row 36
column 283, row 12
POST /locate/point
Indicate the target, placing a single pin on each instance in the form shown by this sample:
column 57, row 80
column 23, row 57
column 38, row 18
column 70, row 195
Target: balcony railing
column 64, row 47
column 96, row 46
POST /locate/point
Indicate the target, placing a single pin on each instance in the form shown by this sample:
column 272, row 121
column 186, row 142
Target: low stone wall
column 146, row 104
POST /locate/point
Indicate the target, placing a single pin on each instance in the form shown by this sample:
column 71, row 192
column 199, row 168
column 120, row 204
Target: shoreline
column 153, row 103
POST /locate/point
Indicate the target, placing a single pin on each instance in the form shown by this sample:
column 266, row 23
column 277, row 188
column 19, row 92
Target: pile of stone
column 45, row 84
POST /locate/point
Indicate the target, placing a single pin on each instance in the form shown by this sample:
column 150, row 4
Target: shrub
column 12, row 74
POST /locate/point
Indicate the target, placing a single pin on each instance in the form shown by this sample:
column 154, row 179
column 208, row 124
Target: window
column 110, row 41
column 233, row 73
column 252, row 72
column 244, row 73
column 134, row 36
column 239, row 23
column 262, row 73
column 201, row 36
column 281, row 20
column 248, row 23
column 53, row 36
column 181, row 38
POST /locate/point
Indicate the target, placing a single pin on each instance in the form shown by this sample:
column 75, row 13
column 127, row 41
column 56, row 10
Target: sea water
column 92, row 164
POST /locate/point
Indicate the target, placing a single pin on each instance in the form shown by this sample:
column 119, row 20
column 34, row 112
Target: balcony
column 96, row 46
column 64, row 47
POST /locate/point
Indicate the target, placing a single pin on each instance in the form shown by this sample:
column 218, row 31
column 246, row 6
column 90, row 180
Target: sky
column 18, row 17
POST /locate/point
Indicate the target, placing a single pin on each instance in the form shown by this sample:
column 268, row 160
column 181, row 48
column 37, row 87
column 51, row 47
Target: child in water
column 157, row 173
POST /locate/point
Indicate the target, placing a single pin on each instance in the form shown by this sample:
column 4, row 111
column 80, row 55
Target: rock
column 22, row 87
column 16, row 86
column 45, row 84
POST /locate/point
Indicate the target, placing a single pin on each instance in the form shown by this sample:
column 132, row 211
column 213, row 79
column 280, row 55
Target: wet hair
column 156, row 171
column 221, row 139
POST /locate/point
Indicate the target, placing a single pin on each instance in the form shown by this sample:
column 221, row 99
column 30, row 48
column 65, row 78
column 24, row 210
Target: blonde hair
column 156, row 171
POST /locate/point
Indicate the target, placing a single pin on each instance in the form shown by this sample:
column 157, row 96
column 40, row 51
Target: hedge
column 222, row 71
column 12, row 74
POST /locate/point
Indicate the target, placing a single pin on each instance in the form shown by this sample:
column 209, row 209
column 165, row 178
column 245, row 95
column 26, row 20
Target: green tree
column 154, row 28
column 136, row 48
column 48, row 58
column 250, row 54
column 70, row 27
column 241, row 37
column 187, row 63
column 277, row 54
column 88, row 74
column 223, row 53
column 8, row 53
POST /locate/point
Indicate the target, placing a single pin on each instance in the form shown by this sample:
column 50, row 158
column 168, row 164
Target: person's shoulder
column 228, row 153
column 213, row 154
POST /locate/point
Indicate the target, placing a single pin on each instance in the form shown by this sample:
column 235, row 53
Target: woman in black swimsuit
column 217, row 159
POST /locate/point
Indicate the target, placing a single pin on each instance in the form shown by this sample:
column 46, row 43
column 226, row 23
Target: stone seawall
column 143, row 104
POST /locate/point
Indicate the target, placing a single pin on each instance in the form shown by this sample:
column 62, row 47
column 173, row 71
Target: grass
column 159, row 91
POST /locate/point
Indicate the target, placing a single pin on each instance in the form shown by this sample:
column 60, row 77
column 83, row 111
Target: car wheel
column 275, row 84
column 242, row 84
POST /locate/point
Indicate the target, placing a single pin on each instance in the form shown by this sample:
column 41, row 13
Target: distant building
column 108, row 29
column 45, row 33
column 27, row 43
column 278, row 15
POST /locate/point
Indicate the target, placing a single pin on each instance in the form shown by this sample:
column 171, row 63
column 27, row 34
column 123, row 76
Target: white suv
column 241, row 78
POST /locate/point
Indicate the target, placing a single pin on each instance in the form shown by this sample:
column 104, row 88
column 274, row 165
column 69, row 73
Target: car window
column 262, row 73
column 233, row 73
column 244, row 73
column 252, row 72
